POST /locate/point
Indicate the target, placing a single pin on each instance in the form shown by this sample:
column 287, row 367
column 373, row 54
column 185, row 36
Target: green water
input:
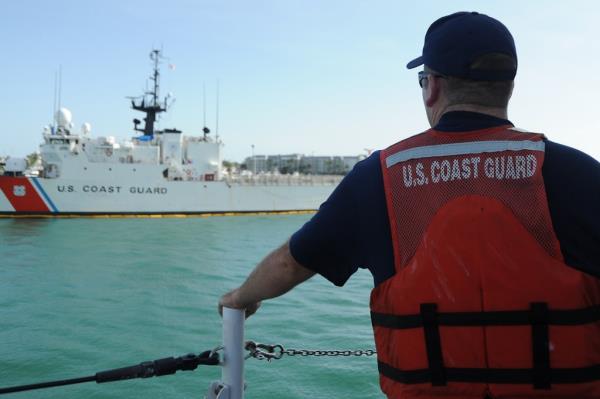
column 80, row 296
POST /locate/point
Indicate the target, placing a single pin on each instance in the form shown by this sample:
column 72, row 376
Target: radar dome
column 63, row 117
column 86, row 128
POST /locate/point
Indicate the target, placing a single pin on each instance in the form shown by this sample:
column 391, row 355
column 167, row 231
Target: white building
column 291, row 163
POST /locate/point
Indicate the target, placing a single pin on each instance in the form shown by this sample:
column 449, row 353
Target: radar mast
column 149, row 102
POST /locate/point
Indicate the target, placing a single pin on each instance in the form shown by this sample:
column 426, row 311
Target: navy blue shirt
column 352, row 230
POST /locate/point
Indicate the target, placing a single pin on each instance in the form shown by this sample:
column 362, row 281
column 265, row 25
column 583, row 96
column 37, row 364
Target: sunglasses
column 423, row 76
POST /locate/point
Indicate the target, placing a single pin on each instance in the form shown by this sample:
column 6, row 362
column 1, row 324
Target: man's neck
column 501, row 113
column 465, row 121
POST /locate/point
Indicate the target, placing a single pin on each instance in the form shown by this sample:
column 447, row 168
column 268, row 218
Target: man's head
column 469, row 62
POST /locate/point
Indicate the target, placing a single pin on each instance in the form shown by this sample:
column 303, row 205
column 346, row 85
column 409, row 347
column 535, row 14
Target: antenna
column 59, row 85
column 217, row 116
column 204, row 103
column 155, row 56
column 55, row 99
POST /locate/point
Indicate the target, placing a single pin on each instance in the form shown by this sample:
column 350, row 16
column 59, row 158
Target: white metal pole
column 233, row 354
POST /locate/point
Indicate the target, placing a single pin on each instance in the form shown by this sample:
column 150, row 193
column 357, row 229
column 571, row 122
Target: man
column 483, row 239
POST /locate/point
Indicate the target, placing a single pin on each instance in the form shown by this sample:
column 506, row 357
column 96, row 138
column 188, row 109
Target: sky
column 317, row 77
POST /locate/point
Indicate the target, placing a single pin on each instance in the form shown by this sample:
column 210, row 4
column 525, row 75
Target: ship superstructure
column 157, row 172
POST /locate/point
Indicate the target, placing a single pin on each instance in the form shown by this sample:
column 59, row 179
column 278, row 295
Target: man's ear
column 512, row 86
column 434, row 87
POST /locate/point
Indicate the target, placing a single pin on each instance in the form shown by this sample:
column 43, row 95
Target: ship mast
column 153, row 107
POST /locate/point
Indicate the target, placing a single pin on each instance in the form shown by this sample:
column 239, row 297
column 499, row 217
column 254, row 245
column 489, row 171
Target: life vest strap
column 491, row 318
column 433, row 344
column 540, row 344
column 539, row 317
column 492, row 375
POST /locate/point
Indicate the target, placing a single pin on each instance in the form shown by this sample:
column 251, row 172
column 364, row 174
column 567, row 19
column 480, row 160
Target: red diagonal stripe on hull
column 30, row 202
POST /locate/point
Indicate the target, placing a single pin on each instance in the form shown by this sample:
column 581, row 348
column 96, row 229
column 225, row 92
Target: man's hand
column 274, row 276
column 230, row 300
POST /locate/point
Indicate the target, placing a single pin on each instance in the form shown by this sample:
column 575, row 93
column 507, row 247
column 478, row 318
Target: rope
column 47, row 384
column 153, row 368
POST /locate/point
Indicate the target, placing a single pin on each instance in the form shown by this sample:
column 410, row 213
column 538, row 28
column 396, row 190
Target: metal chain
column 276, row 352
column 307, row 352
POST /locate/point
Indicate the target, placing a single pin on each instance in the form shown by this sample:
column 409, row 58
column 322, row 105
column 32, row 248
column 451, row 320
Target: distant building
column 291, row 163
column 256, row 163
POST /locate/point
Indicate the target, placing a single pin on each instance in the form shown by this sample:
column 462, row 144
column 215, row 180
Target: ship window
column 85, row 168
column 134, row 169
column 109, row 168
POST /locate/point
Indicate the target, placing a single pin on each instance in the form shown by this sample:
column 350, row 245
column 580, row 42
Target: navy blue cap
column 454, row 42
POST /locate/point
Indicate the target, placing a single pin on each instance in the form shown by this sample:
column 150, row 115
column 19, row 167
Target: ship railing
column 284, row 180
column 231, row 385
column 230, row 355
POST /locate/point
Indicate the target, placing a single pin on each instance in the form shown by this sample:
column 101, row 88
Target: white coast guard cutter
column 160, row 172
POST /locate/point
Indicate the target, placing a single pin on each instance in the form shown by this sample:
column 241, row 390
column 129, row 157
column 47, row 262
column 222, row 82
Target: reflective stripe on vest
column 475, row 147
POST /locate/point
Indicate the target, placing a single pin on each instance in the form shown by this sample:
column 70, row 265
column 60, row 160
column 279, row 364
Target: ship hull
column 31, row 196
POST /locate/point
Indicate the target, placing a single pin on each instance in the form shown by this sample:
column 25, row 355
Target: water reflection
column 15, row 230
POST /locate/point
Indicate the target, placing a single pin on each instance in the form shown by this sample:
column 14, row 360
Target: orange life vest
column 481, row 303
